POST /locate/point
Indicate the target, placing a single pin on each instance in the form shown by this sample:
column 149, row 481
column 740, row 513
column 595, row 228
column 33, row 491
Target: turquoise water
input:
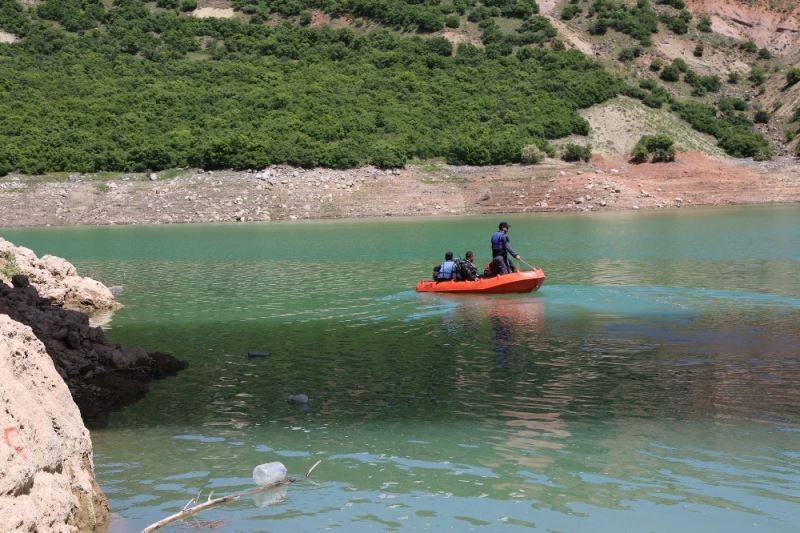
column 651, row 385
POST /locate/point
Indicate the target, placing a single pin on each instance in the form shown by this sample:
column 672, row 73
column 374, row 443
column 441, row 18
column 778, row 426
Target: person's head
column 469, row 256
column 448, row 256
column 503, row 226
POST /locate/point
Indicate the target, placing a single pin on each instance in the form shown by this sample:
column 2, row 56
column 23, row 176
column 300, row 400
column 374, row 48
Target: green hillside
column 129, row 85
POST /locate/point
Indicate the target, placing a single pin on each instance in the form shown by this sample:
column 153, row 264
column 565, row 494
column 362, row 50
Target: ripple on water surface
column 650, row 383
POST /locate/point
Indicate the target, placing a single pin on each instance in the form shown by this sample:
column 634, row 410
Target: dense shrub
column 13, row 18
column 705, row 24
column 531, row 154
column 452, row 21
column 733, row 78
column 761, row 117
column 677, row 4
column 657, row 148
column 639, row 21
column 698, row 50
column 749, row 46
column 678, row 24
column 732, row 131
column 763, row 53
column 576, row 152
column 757, row 75
column 132, row 95
column 792, row 76
column 656, row 64
column 570, row 11
column 670, row 73
column 629, row 53
column 728, row 105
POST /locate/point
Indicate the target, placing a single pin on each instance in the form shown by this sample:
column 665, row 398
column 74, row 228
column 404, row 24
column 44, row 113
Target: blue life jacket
column 446, row 270
column 498, row 243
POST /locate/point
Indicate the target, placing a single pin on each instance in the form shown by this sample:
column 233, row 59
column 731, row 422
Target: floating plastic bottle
column 269, row 473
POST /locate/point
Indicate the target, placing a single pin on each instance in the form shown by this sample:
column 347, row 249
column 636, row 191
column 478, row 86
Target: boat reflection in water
column 528, row 430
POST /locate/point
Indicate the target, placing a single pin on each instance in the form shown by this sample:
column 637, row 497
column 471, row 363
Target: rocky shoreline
column 606, row 183
column 59, row 375
column 49, row 296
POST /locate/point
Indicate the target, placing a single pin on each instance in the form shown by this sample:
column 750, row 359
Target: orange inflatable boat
column 505, row 283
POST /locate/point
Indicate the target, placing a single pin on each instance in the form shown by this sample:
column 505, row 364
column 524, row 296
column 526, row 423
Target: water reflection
column 645, row 385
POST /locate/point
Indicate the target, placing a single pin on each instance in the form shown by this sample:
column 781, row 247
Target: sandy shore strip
column 424, row 189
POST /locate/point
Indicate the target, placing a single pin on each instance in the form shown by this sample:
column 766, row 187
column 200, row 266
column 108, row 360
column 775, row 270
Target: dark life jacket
column 498, row 243
column 445, row 270
column 465, row 271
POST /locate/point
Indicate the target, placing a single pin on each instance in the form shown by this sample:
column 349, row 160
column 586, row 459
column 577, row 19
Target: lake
column 650, row 385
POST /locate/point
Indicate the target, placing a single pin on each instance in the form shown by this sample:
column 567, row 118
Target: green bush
column 761, row 117
column 638, row 21
column 698, row 50
column 749, row 46
column 670, row 73
column 531, row 154
column 677, row 24
column 640, row 154
column 705, row 24
column 658, row 148
column 452, row 21
column 576, row 152
column 570, row 11
column 763, row 53
column 732, row 131
column 630, row 53
column 728, row 105
column 8, row 265
column 132, row 94
column 792, row 76
column 733, row 78
column 656, row 64
column 757, row 75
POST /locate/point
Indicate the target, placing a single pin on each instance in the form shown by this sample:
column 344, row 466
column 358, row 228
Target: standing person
column 446, row 270
column 501, row 248
column 466, row 269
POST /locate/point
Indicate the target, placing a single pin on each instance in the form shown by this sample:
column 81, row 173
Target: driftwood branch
column 189, row 510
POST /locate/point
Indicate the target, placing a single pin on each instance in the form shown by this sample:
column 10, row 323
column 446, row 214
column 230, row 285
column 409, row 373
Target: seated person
column 465, row 269
column 446, row 270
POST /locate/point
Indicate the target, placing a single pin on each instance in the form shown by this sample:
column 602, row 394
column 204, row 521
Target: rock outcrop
column 46, row 472
column 55, row 278
column 102, row 377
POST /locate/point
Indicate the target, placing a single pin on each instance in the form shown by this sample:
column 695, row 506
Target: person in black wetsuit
column 501, row 248
column 465, row 269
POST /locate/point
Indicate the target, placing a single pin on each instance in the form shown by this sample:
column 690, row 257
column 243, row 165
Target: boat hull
column 504, row 284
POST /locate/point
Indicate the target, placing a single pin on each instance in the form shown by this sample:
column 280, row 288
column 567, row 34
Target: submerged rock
column 297, row 398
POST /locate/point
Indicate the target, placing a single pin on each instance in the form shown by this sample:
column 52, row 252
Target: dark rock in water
column 255, row 355
column 297, row 398
column 102, row 377
column 20, row 281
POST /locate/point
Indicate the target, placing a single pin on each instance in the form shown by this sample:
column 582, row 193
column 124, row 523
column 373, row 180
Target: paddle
column 521, row 260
